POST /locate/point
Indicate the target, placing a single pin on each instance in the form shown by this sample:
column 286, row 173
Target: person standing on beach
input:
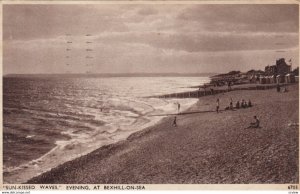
column 278, row 87
column 218, row 105
column 175, row 122
column 237, row 105
column 249, row 103
column 231, row 104
column 178, row 106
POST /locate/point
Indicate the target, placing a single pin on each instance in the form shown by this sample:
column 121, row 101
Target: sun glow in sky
column 147, row 38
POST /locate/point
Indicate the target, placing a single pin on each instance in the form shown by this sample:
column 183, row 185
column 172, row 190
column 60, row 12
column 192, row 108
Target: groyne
column 217, row 90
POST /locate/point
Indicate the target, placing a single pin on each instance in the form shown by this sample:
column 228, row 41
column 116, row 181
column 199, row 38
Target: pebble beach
column 205, row 148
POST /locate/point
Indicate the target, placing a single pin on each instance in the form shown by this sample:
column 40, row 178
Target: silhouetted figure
column 249, row 103
column 237, row 105
column 244, row 104
column 175, row 122
column 278, row 88
column 254, row 124
column 218, row 105
column 178, row 107
column 231, row 104
column 284, row 90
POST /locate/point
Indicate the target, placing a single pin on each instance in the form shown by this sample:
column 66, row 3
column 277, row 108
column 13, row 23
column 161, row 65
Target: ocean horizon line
column 208, row 74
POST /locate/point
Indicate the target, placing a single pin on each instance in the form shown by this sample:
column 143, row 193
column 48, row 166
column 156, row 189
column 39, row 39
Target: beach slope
column 205, row 147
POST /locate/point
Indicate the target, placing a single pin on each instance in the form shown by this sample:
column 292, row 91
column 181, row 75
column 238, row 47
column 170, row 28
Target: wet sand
column 205, row 147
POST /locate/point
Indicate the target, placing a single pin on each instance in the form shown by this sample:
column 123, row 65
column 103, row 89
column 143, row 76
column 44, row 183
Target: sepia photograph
column 150, row 93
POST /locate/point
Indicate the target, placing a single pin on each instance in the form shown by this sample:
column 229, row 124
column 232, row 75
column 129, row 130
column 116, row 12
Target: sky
column 148, row 38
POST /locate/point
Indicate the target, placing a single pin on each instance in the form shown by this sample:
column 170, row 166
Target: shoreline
column 110, row 148
column 30, row 170
column 13, row 171
column 106, row 164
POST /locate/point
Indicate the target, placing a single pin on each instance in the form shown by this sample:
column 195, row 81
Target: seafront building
column 280, row 68
column 281, row 72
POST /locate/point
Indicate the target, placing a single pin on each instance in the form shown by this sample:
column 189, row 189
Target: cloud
column 147, row 38
column 48, row 21
column 147, row 11
column 267, row 18
column 204, row 42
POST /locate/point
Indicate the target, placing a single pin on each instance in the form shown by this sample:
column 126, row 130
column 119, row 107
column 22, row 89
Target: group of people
column 243, row 104
column 238, row 105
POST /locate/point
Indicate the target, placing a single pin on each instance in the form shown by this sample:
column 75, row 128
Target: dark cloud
column 48, row 21
column 156, row 37
column 279, row 18
column 205, row 42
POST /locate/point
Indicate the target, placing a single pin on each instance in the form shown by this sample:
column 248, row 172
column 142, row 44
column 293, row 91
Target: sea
column 51, row 120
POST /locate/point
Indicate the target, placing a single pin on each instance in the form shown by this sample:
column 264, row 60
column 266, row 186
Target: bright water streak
column 48, row 121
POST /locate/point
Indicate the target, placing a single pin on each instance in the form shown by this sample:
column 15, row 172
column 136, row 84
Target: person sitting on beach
column 249, row 103
column 175, row 122
column 237, row 105
column 254, row 124
column 243, row 104
column 230, row 107
column 284, row 90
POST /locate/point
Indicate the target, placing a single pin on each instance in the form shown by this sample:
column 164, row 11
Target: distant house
column 289, row 78
column 280, row 79
column 262, row 80
column 254, row 75
column 272, row 79
column 271, row 70
column 268, row 79
column 281, row 68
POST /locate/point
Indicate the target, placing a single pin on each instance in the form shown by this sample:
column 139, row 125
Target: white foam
column 124, row 113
